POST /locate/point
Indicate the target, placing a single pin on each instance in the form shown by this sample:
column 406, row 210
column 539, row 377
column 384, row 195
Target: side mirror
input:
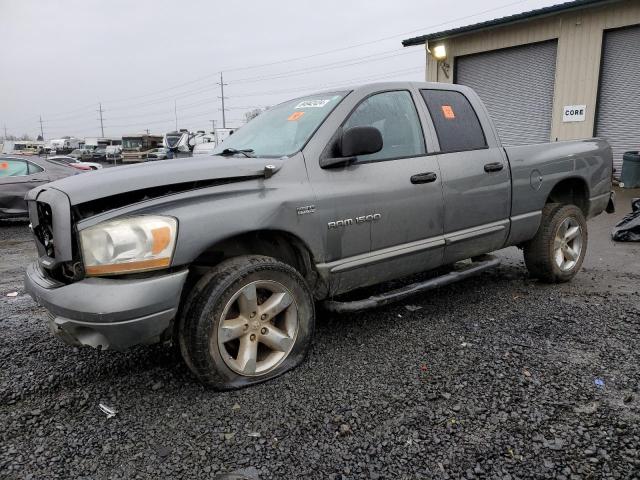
column 355, row 141
column 360, row 141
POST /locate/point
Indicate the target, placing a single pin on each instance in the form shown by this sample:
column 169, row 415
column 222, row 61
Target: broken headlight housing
column 129, row 245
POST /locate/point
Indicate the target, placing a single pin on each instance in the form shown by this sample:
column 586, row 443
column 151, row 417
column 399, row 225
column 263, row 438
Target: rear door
column 475, row 175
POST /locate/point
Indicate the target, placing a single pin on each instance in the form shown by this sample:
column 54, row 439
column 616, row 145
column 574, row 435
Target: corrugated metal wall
column 618, row 118
column 579, row 34
column 516, row 84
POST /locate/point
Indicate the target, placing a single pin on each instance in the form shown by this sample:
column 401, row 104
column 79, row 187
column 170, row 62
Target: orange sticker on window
column 295, row 116
column 447, row 111
column 4, row 165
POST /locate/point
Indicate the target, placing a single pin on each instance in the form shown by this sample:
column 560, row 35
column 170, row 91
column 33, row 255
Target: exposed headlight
column 134, row 244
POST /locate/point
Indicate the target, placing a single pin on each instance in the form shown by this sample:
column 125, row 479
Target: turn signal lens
column 129, row 245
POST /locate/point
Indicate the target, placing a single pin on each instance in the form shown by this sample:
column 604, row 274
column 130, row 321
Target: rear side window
column 13, row 168
column 455, row 121
column 33, row 168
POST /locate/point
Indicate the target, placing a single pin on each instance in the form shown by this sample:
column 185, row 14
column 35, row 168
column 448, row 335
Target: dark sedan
column 19, row 175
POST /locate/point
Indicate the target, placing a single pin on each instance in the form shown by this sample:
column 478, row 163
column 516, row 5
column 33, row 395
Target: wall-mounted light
column 439, row 53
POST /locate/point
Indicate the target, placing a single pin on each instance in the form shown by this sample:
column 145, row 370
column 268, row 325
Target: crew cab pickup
column 228, row 255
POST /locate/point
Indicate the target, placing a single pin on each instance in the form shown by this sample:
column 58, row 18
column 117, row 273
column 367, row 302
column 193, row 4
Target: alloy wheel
column 567, row 244
column 258, row 328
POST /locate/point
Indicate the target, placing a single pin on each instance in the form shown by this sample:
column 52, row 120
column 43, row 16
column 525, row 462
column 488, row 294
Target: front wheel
column 557, row 251
column 251, row 320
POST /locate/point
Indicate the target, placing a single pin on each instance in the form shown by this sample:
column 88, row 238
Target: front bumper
column 114, row 313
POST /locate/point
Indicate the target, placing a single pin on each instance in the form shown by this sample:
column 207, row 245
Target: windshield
column 284, row 129
column 131, row 143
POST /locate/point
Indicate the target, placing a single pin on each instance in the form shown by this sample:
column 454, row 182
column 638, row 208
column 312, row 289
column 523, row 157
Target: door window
column 455, row 121
column 13, row 168
column 395, row 115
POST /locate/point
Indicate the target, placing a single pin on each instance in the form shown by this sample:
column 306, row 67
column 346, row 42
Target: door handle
column 493, row 167
column 427, row 177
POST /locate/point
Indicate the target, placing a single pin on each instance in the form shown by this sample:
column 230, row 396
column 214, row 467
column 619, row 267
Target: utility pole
column 175, row 112
column 5, row 131
column 41, row 129
column 100, row 112
column 213, row 125
column 147, row 131
column 222, row 97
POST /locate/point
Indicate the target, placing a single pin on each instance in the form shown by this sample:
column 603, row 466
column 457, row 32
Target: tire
column 248, row 320
column 557, row 251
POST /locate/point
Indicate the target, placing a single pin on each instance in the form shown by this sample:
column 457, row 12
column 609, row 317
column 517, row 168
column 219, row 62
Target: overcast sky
column 60, row 58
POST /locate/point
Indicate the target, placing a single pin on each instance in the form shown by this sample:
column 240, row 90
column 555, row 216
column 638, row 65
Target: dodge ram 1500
column 227, row 255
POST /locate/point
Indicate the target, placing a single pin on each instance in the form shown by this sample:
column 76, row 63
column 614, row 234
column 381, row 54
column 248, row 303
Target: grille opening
column 67, row 272
column 44, row 230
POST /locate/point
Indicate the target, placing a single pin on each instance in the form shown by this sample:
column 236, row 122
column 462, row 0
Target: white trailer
column 64, row 145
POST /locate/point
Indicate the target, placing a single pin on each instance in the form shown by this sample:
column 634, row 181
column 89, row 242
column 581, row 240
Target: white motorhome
column 22, row 147
column 64, row 145
column 182, row 142
column 220, row 134
column 92, row 143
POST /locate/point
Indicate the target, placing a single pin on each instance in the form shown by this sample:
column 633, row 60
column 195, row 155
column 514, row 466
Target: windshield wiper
column 247, row 152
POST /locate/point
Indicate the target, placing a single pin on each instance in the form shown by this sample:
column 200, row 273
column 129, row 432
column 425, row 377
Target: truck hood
column 179, row 172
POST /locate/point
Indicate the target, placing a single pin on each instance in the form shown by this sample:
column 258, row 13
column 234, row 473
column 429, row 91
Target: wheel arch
column 279, row 244
column 571, row 191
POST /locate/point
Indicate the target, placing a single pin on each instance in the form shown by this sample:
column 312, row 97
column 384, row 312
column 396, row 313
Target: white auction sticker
column 313, row 103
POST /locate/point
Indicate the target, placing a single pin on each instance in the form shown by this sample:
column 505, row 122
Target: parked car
column 82, row 154
column 19, row 175
column 74, row 162
column 316, row 197
column 204, row 149
column 99, row 153
column 158, row 154
column 113, row 153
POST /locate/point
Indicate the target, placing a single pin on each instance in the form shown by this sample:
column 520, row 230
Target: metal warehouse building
column 563, row 72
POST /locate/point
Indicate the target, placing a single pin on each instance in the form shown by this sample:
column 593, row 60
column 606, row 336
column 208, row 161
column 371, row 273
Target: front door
column 399, row 197
column 475, row 177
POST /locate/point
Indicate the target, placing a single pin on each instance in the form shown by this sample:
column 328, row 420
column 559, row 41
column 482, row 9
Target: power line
column 58, row 117
column 318, row 54
column 343, row 83
column 308, row 88
column 362, row 44
column 329, row 66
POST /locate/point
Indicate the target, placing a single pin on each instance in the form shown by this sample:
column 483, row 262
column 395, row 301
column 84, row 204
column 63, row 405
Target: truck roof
column 396, row 85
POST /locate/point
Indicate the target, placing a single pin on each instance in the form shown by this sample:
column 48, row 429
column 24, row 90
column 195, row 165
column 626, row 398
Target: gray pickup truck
column 228, row 255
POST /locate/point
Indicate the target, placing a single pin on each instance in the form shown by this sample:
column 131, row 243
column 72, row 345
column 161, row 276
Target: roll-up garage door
column 618, row 117
column 517, row 86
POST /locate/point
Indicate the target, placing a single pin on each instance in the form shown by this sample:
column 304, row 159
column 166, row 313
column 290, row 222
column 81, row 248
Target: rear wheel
column 557, row 251
column 251, row 320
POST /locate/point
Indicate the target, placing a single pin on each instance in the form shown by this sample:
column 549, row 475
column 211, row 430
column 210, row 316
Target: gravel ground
column 495, row 377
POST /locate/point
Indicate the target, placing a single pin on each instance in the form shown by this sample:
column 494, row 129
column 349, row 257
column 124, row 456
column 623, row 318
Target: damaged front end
column 52, row 226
